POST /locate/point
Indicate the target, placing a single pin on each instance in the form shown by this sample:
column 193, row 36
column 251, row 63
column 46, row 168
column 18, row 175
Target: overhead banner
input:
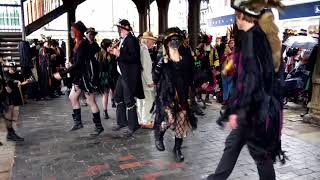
column 300, row 11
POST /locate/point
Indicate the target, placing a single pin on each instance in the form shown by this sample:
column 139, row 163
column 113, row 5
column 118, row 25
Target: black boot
column 77, row 120
column 12, row 136
column 105, row 114
column 97, row 122
column 133, row 123
column 121, row 115
column 158, row 136
column 177, row 150
column 113, row 103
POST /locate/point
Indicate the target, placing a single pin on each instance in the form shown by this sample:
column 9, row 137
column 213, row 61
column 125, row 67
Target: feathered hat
column 171, row 32
column 254, row 7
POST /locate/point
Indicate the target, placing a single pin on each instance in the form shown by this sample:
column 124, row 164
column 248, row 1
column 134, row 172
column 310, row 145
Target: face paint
column 174, row 43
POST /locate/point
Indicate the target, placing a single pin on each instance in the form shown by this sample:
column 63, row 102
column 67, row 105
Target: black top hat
column 124, row 24
column 80, row 27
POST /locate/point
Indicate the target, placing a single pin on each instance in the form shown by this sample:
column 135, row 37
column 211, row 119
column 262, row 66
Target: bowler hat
column 91, row 30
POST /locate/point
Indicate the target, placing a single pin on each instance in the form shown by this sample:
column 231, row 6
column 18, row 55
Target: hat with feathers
column 171, row 32
column 254, row 7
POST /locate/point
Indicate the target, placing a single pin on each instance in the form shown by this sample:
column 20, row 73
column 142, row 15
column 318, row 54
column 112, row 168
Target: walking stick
column 21, row 95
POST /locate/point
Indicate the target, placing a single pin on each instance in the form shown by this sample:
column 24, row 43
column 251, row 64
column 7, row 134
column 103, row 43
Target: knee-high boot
column 177, row 150
column 97, row 122
column 158, row 136
column 76, row 120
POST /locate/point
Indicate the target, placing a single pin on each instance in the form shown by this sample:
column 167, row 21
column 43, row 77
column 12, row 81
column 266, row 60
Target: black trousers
column 234, row 143
column 126, row 105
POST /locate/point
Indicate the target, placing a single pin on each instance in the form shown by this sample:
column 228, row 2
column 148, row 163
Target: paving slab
column 50, row 152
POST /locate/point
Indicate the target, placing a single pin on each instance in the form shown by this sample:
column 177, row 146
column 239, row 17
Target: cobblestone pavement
column 52, row 153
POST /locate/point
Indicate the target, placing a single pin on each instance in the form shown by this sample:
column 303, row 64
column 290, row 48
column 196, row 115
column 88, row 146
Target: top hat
column 254, row 7
column 80, row 27
column 124, row 24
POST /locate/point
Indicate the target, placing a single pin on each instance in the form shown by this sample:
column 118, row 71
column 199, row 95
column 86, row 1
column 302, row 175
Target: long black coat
column 130, row 65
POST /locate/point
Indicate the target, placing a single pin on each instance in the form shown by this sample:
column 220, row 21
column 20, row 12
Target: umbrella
column 303, row 42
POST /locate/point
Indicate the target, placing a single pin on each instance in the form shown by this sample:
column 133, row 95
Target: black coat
column 130, row 65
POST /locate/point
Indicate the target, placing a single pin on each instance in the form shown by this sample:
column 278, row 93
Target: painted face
column 174, row 43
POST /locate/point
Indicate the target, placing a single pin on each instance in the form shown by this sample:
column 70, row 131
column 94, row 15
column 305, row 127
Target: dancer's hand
column 8, row 89
column 233, row 122
column 57, row 76
column 116, row 52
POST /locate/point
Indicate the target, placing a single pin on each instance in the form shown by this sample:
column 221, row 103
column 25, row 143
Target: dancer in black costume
column 83, row 79
column 108, row 73
column 255, row 111
column 129, row 84
column 9, row 98
column 173, row 98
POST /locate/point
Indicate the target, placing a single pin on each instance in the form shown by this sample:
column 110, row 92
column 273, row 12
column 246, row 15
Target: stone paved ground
column 7, row 149
column 52, row 153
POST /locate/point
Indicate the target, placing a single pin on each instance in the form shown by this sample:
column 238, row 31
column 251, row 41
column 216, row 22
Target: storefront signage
column 300, row 11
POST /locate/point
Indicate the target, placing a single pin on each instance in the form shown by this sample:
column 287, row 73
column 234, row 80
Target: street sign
column 317, row 9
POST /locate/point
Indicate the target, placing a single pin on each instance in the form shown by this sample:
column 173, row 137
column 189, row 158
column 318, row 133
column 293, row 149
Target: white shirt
column 121, row 41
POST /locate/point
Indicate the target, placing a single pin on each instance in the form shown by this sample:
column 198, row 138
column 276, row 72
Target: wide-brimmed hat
column 172, row 32
column 80, row 27
column 254, row 7
column 148, row 35
column 91, row 30
column 124, row 24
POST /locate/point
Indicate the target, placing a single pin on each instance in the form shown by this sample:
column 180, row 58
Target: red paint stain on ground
column 131, row 165
column 173, row 166
column 156, row 162
column 95, row 170
column 51, row 178
column 126, row 158
column 151, row 176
